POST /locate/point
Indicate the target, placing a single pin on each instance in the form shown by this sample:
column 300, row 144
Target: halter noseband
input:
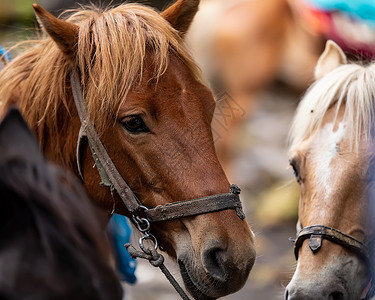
column 316, row 233
column 111, row 177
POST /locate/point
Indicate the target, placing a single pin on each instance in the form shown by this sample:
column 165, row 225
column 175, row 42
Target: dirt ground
column 270, row 203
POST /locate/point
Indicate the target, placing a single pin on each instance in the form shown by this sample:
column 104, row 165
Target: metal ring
column 143, row 224
column 148, row 236
column 143, row 207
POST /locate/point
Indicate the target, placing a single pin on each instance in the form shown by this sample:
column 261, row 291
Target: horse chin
column 347, row 278
column 191, row 285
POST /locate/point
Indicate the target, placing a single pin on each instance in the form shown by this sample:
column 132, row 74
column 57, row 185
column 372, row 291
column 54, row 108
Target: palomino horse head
column 330, row 155
column 153, row 115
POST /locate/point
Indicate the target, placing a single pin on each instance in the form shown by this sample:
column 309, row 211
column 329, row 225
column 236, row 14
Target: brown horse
column 146, row 100
column 331, row 143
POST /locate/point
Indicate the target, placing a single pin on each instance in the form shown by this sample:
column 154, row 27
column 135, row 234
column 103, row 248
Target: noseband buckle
column 315, row 242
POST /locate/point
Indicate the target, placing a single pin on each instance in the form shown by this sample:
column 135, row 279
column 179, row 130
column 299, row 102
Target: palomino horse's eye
column 134, row 124
column 294, row 166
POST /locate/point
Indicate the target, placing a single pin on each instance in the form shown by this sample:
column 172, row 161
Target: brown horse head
column 146, row 100
column 330, row 154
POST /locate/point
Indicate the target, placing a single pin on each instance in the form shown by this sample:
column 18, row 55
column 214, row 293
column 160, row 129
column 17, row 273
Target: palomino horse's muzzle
column 316, row 233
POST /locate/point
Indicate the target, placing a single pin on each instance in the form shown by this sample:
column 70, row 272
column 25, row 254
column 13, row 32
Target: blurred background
column 258, row 56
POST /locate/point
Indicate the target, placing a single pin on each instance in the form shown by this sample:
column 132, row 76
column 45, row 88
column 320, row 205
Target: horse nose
column 336, row 295
column 213, row 259
column 304, row 294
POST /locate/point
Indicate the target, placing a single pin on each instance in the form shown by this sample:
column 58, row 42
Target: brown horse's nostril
column 213, row 262
column 336, row 296
column 286, row 295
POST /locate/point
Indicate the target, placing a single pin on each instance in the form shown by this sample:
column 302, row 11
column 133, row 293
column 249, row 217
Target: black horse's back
column 52, row 243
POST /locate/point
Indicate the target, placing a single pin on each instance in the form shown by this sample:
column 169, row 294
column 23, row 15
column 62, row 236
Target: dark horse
column 52, row 245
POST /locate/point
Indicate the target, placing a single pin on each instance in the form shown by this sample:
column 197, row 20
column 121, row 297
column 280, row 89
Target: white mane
column 351, row 85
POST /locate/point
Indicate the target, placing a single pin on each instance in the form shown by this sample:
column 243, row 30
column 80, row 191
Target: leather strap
column 316, row 233
column 107, row 170
column 194, row 207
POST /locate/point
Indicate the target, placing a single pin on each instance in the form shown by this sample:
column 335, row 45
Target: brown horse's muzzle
column 215, row 264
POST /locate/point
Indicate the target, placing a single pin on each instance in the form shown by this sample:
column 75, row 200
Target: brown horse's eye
column 134, row 124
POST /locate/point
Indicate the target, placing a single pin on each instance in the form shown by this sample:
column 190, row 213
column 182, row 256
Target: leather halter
column 111, row 177
column 316, row 233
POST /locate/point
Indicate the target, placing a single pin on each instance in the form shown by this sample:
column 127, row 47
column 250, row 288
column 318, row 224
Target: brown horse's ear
column 65, row 34
column 331, row 58
column 181, row 14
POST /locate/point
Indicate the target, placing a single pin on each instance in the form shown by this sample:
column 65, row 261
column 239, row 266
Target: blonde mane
column 112, row 47
column 351, row 85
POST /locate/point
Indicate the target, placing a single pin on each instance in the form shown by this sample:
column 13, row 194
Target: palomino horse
column 330, row 155
column 53, row 245
column 144, row 97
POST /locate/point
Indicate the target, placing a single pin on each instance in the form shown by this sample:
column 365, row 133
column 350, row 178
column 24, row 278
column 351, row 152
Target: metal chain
column 150, row 253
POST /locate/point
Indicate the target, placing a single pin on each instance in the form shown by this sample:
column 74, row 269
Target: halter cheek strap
column 107, row 170
column 111, row 177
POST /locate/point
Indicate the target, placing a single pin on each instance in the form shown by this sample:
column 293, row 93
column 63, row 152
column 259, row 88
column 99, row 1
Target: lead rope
column 155, row 259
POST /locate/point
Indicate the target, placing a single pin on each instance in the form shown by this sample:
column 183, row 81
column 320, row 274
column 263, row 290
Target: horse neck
column 55, row 124
column 60, row 146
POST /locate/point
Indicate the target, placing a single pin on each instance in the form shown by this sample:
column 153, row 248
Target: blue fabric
column 3, row 51
column 120, row 231
column 363, row 9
